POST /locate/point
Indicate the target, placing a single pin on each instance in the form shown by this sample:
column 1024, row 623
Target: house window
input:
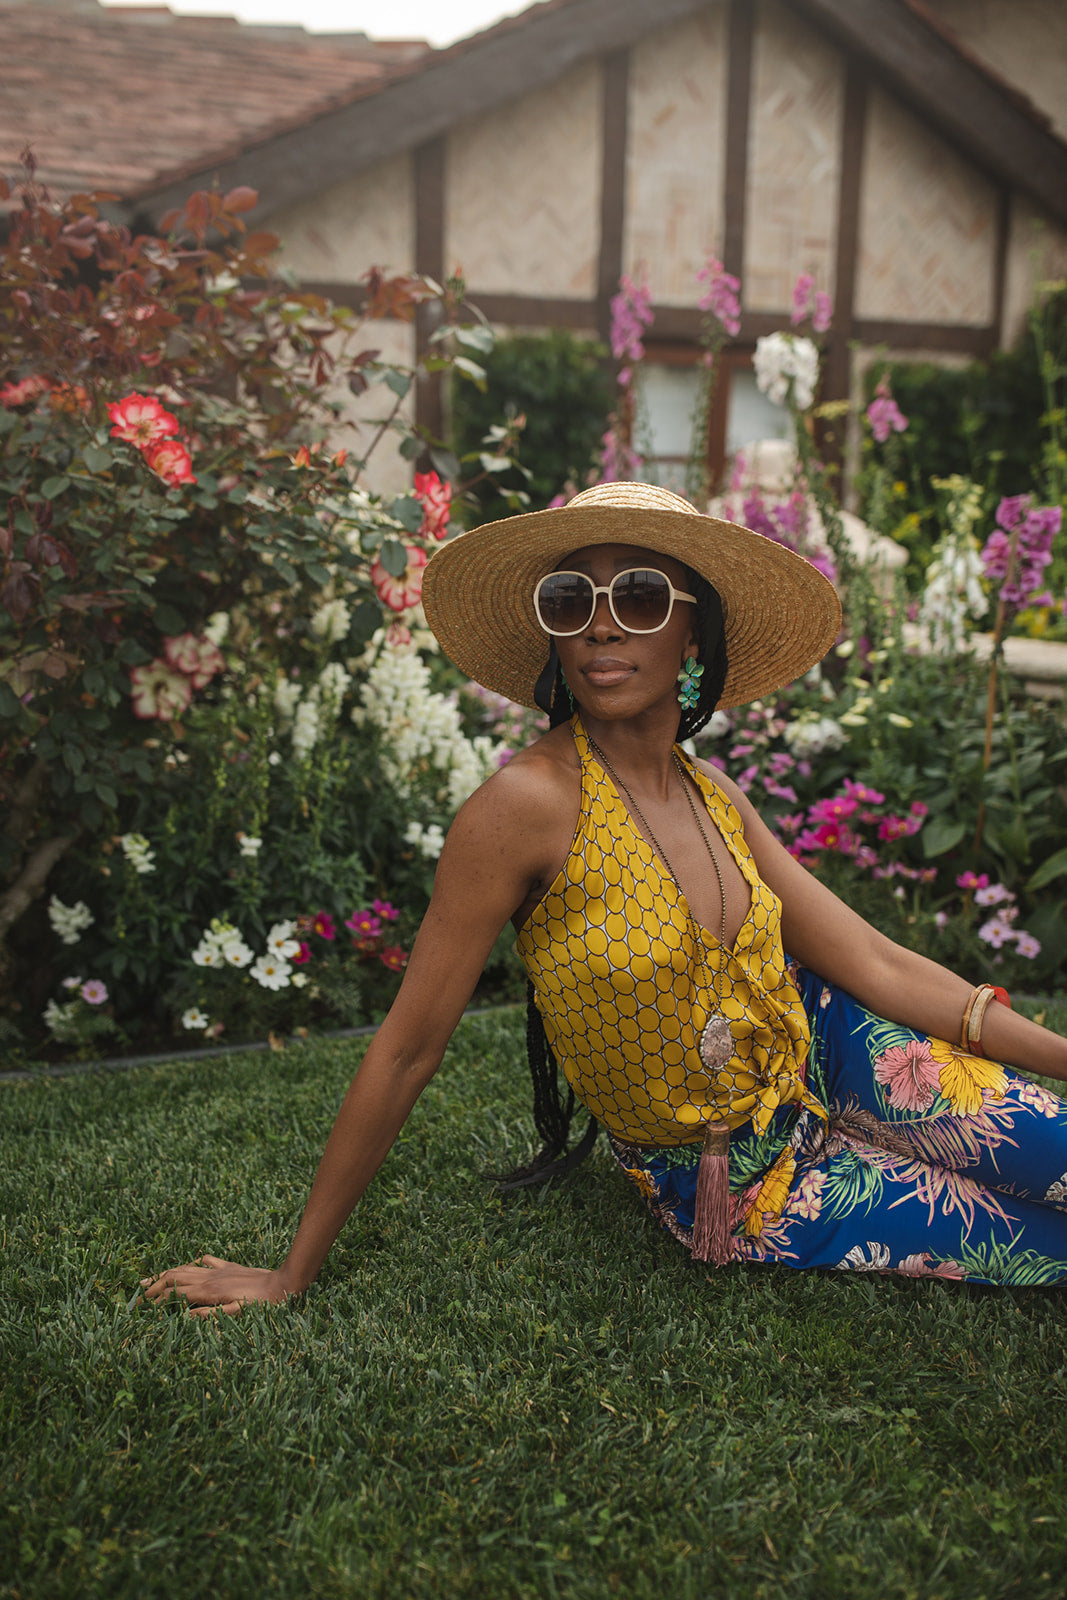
column 667, row 393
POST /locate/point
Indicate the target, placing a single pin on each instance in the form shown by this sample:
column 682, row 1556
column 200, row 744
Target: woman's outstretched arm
column 494, row 855
column 829, row 938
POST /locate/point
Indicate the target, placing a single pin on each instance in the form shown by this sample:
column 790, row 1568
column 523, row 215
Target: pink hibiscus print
column 909, row 1074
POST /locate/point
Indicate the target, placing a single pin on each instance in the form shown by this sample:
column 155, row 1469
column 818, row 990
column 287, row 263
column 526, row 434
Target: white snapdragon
column 69, row 922
column 333, row 686
column 286, row 699
column 330, row 621
column 421, row 730
column 306, row 726
column 217, row 627
column 61, row 1021
column 953, row 593
column 429, row 841
column 810, row 736
column 782, row 359
column 138, row 852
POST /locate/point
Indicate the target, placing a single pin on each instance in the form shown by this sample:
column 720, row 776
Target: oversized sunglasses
column 640, row 599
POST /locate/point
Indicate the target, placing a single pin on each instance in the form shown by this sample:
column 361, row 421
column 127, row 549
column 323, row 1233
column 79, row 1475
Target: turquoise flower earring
column 689, row 678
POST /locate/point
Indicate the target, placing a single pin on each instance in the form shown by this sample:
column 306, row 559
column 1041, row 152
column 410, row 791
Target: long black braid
column 552, row 1116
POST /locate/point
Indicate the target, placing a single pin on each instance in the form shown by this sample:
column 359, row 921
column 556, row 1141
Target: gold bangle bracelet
column 977, row 1016
column 968, row 1009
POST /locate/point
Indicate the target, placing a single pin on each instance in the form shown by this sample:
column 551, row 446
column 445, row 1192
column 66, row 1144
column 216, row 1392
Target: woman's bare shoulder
column 538, row 786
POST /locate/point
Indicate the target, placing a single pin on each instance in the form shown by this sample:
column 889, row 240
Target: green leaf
column 407, row 511
column 107, row 794
column 9, row 700
column 393, row 557
column 317, row 574
column 495, row 463
column 399, row 382
column 97, row 457
column 1053, row 867
column 168, row 620
column 475, row 337
column 365, row 618
column 470, row 369
column 411, row 448
column 73, row 758
column 286, row 570
column 445, row 464
column 940, row 835
column 51, row 487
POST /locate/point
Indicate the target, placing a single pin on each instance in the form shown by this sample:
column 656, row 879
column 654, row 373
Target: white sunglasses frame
column 599, row 589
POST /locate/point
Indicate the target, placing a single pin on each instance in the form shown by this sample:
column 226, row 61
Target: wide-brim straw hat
column 781, row 615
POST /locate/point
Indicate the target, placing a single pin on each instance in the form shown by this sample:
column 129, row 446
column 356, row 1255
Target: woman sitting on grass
column 841, row 1105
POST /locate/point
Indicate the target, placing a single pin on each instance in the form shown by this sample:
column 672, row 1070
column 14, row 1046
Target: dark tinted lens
column 642, row 600
column 565, row 602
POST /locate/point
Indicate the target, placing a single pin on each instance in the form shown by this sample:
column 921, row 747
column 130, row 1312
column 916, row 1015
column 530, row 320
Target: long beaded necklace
column 716, row 1044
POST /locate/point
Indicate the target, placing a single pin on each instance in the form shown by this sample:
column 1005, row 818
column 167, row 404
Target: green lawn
column 528, row 1397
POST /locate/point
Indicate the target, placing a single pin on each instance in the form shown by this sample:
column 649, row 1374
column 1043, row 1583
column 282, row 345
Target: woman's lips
column 606, row 671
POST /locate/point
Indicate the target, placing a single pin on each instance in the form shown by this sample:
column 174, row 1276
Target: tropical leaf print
column 875, row 1259
column 965, row 1078
column 853, row 1182
column 1004, row 1263
column 935, row 1186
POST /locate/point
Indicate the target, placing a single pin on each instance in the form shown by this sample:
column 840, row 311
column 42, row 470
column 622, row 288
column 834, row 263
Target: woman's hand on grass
column 211, row 1284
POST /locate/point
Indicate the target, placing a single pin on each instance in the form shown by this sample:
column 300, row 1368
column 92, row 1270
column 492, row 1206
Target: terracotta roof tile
column 129, row 99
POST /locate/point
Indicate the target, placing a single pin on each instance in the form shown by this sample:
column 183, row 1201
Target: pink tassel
column 711, row 1221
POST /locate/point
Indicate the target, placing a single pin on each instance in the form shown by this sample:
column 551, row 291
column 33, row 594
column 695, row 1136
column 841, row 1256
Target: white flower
column 305, row 728
column 280, row 941
column 274, row 759
column 249, row 845
column 217, row 627
column 235, row 952
column 207, row 953
column 195, row 1018
column 333, row 686
column 271, row 972
column 810, row 736
column 330, row 621
column 429, row 841
column 784, row 358
column 62, row 1021
column 138, row 853
column 286, row 698
column 69, row 921
column 298, row 979
column 72, row 983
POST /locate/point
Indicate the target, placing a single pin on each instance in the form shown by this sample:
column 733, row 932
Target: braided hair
column 552, row 1115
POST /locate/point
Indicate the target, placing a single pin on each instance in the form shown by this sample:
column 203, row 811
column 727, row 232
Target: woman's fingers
column 212, row 1284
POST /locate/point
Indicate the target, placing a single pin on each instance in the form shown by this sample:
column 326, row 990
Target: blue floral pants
column 933, row 1164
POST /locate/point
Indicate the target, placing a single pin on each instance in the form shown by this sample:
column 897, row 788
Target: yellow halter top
column 624, row 994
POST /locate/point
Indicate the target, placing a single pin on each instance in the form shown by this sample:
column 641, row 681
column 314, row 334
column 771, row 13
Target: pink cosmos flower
column 141, row 420
column 997, row 932
column 893, row 828
column 303, row 955
column 972, row 880
column 781, row 791
column 909, row 1075
column 395, row 957
column 94, row 993
column 1026, row 945
column 883, row 413
column 199, row 659
column 159, row 692
column 435, row 498
column 835, row 809
column 322, row 924
column 170, row 460
column 720, row 297
column 365, row 925
column 383, row 909
column 791, row 824
column 992, row 894
column 860, row 793
column 406, row 590
column 25, row 390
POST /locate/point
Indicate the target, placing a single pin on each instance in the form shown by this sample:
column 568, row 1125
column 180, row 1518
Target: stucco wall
column 1037, row 254
column 793, row 159
column 367, row 221
column 523, row 203
column 674, row 201
column 1024, row 41
column 927, row 225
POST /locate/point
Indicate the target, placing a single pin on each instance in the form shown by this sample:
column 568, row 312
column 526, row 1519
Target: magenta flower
column 365, row 925
column 1020, row 548
column 94, row 993
column 303, row 955
column 631, row 314
column 883, row 413
column 893, row 827
column 394, row 956
column 721, row 295
column 383, row 909
column 782, row 791
column 802, row 293
column 860, row 792
column 909, row 1074
column 835, row 809
column 972, row 880
column 823, row 314
column 322, row 924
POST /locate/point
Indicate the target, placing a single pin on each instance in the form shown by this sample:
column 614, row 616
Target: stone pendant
column 716, row 1042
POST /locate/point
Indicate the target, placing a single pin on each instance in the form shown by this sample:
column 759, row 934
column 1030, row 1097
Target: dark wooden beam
column 430, row 180
column 850, row 174
column 738, row 108
column 614, row 139
column 941, row 336
column 476, row 75
column 1000, row 261
column 951, row 92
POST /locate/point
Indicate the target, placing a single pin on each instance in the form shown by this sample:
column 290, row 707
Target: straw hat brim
column 781, row 614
